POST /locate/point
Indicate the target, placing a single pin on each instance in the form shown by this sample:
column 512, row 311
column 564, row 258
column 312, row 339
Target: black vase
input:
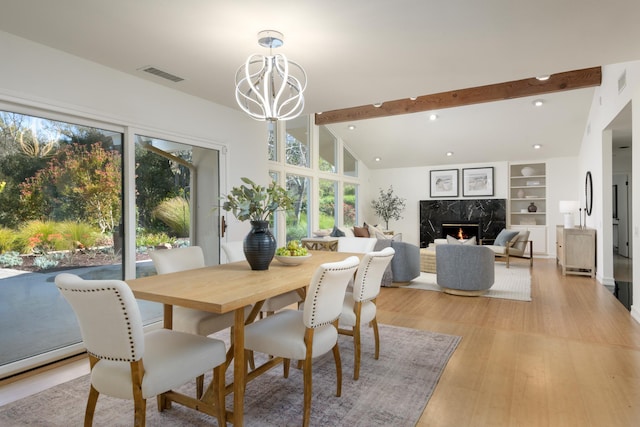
column 259, row 246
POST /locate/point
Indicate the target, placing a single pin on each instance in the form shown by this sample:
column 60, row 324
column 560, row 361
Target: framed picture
column 477, row 182
column 444, row 183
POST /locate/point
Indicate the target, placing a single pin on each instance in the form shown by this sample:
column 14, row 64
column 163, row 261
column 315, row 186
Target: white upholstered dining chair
column 185, row 319
column 359, row 305
column 127, row 363
column 234, row 252
column 308, row 333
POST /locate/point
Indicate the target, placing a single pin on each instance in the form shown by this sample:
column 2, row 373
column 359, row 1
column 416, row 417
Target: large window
column 320, row 174
column 327, row 203
column 349, row 203
column 298, row 219
column 298, row 146
column 350, row 163
column 328, row 150
column 272, row 141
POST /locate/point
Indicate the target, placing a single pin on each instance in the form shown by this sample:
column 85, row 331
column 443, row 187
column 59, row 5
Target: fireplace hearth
column 461, row 230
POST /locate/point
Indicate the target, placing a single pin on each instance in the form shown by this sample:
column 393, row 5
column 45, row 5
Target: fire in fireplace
column 461, row 231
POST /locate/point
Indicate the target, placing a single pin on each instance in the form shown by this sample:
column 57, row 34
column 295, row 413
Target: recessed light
column 351, row 127
column 449, row 153
column 413, row 98
column 377, row 104
column 538, row 102
column 433, row 117
column 377, row 159
column 536, row 146
column 543, row 77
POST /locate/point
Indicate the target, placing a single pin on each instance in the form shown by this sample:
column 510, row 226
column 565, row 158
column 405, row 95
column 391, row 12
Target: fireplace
column 462, row 230
column 489, row 215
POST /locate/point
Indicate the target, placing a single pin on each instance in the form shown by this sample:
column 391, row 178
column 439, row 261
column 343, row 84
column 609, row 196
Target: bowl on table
column 292, row 260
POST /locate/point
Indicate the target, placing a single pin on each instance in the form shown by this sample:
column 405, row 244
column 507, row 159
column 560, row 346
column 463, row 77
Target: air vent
column 160, row 73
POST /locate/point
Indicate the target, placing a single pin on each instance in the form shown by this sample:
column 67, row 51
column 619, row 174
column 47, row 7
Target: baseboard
column 635, row 313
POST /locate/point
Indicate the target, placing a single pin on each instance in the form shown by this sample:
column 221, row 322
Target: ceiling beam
column 559, row 82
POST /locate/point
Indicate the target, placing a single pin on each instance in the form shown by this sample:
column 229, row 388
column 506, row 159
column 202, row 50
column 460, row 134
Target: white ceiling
column 362, row 52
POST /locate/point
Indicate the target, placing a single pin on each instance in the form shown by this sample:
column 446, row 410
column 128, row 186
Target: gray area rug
column 510, row 283
column 393, row 390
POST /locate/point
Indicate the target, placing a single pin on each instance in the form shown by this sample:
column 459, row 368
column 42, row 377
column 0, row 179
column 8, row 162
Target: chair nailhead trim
column 314, row 301
column 126, row 317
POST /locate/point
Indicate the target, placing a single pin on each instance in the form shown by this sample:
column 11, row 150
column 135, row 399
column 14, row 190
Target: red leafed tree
column 81, row 183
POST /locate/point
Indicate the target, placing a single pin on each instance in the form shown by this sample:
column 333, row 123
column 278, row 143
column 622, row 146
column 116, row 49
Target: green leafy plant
column 7, row 237
column 46, row 262
column 254, row 202
column 176, row 214
column 388, row 206
column 43, row 237
column 10, row 259
column 80, row 234
column 152, row 239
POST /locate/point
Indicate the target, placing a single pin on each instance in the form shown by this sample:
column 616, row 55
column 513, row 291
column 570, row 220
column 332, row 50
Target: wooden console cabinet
column 576, row 250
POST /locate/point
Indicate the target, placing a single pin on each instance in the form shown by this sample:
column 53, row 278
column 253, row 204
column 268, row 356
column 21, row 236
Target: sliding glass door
column 60, row 210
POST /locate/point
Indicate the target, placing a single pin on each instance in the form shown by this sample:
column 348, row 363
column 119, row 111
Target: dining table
column 229, row 288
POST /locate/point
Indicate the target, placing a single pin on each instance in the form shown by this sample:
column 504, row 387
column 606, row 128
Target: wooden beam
column 559, row 82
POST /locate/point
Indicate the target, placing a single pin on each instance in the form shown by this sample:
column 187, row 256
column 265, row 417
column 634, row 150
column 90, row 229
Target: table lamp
column 568, row 207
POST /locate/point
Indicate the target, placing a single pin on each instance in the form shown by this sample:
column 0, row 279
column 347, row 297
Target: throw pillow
column 504, row 237
column 336, row 232
column 453, row 241
column 360, row 231
column 377, row 232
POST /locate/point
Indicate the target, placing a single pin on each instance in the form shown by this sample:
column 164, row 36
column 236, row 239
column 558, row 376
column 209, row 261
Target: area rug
column 392, row 390
column 510, row 283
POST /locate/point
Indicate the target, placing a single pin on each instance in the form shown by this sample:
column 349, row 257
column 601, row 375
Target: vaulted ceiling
column 358, row 53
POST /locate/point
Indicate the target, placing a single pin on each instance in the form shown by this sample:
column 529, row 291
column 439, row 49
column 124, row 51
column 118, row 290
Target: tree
column 388, row 206
column 81, row 183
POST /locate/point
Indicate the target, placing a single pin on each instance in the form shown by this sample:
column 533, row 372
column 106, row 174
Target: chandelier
column 270, row 87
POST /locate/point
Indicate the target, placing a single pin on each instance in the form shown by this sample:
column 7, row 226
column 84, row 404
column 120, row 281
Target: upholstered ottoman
column 428, row 260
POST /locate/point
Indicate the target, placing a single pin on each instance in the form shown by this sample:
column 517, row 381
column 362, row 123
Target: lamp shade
column 568, row 207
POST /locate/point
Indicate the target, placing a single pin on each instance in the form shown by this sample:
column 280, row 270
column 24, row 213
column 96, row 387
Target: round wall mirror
column 588, row 193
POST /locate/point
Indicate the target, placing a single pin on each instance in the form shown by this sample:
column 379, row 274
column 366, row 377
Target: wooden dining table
column 224, row 288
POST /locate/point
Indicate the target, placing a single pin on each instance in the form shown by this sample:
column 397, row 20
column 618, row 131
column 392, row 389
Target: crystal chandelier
column 270, row 87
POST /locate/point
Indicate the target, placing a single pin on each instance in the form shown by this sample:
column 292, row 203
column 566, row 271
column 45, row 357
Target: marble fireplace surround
column 490, row 214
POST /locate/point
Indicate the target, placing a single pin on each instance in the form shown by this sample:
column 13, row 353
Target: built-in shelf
column 528, row 186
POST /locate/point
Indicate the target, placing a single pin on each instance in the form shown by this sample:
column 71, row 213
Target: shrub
column 7, row 239
column 176, row 214
column 45, row 262
column 151, row 239
column 80, row 234
column 10, row 259
column 44, row 237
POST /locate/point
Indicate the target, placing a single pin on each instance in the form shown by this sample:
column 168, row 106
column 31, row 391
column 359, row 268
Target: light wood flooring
column 571, row 357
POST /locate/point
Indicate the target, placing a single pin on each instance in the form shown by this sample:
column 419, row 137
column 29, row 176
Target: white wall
column 595, row 156
column 34, row 75
column 413, row 185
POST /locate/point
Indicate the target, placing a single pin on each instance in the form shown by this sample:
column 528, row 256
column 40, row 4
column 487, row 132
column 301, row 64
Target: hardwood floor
column 571, row 357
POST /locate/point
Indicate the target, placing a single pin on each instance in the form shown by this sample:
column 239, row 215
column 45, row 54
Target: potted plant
column 256, row 203
column 388, row 206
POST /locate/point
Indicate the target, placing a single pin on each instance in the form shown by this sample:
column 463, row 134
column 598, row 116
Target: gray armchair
column 405, row 265
column 467, row 270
